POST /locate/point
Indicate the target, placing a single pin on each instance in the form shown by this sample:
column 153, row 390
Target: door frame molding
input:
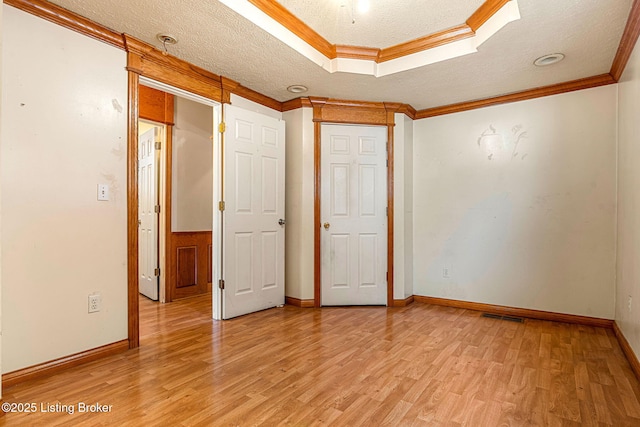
column 144, row 60
column 326, row 110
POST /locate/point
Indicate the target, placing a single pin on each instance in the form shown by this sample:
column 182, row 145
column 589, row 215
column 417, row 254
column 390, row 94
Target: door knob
column 281, row 221
column 326, row 225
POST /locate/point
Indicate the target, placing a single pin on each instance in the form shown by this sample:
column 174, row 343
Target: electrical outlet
column 95, row 303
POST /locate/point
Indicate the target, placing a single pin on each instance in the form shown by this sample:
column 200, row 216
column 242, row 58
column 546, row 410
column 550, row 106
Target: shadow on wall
column 473, row 249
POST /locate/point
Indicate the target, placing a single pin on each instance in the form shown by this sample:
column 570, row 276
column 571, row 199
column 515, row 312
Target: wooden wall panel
column 210, row 264
column 186, row 266
column 189, row 264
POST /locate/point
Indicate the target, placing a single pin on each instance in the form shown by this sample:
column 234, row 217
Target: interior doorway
column 353, row 242
column 150, row 140
column 175, row 209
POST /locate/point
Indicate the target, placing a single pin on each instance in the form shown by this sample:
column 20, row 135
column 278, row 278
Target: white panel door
column 253, row 241
column 148, row 218
column 353, row 215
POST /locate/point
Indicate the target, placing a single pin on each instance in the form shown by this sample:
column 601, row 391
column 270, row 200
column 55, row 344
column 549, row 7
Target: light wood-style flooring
column 417, row 365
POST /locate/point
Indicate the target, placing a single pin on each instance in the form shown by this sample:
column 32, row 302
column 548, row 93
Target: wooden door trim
column 168, row 239
column 132, row 212
column 327, row 110
column 168, row 72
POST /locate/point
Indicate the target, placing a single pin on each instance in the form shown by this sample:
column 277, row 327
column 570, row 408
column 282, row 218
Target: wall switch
column 95, row 303
column 103, row 192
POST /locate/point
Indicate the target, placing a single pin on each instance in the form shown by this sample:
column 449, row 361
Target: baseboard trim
column 518, row 312
column 627, row 350
column 403, row 302
column 297, row 302
column 49, row 368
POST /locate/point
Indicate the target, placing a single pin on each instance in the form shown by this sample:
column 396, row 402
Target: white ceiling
column 215, row 38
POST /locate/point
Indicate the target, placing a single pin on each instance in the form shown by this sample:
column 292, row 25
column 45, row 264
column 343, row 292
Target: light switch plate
column 103, row 192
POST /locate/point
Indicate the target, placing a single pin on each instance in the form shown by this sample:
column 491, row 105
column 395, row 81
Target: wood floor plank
column 415, row 365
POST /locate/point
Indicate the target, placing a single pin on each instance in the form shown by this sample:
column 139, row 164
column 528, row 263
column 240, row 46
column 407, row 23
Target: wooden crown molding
column 430, row 41
column 65, row 18
column 146, row 60
column 357, row 52
column 518, row 312
column 254, row 96
column 484, row 13
column 294, row 104
column 332, row 51
column 628, row 42
column 291, row 22
column 589, row 82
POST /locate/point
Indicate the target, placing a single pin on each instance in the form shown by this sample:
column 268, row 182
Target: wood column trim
column 46, row 369
column 168, row 252
column 317, row 294
column 391, row 109
column 132, row 212
column 228, row 87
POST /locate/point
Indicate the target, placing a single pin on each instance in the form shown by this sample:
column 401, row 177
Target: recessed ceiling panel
column 387, row 22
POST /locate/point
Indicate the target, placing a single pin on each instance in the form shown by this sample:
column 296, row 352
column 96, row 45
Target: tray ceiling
column 214, row 37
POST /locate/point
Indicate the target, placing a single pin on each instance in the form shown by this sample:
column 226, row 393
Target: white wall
column 407, row 170
column 63, row 131
column 403, row 201
column 628, row 265
column 518, row 203
column 192, row 167
column 299, row 203
column 1, row 9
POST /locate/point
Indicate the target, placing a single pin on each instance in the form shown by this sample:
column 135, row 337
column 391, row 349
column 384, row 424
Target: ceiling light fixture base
column 550, row 59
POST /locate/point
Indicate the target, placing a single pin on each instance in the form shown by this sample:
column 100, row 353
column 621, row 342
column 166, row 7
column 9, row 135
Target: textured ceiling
column 214, row 37
column 387, row 23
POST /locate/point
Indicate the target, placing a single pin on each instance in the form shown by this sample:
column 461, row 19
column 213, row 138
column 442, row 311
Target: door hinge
column 156, row 209
column 222, row 127
column 156, row 272
column 221, row 206
column 158, row 145
column 221, row 284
